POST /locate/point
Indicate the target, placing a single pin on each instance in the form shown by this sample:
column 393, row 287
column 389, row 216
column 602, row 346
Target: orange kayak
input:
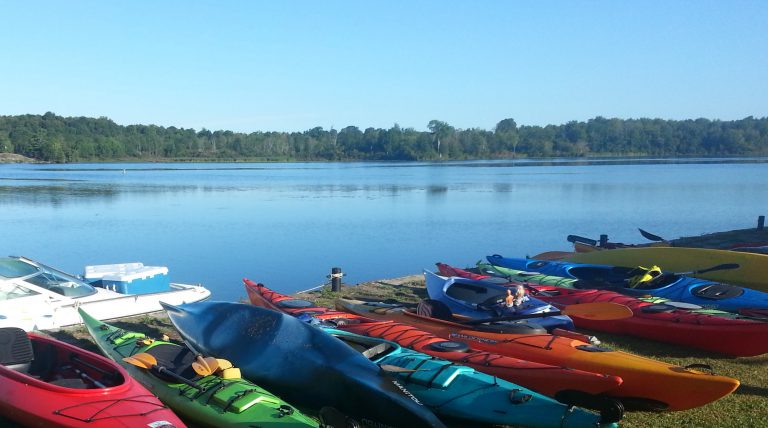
column 569, row 385
column 648, row 384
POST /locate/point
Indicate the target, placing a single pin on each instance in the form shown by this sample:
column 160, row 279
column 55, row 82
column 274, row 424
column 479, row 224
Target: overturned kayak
column 48, row 383
column 211, row 400
column 636, row 282
column 300, row 363
column 567, row 384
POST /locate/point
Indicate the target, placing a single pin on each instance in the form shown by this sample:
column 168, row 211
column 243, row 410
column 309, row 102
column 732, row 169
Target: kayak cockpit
column 41, row 361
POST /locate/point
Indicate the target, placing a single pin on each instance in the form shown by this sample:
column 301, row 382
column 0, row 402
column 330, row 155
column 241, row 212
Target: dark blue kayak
column 479, row 299
column 301, row 364
column 675, row 287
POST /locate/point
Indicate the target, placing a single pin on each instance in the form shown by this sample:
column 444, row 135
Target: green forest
column 52, row 138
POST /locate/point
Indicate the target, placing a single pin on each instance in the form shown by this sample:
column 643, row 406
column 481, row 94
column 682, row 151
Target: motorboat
column 34, row 296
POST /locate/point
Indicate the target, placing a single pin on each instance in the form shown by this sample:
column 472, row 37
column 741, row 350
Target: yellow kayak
column 752, row 271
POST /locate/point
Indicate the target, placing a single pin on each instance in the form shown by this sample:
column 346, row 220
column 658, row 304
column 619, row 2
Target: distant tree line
column 53, row 138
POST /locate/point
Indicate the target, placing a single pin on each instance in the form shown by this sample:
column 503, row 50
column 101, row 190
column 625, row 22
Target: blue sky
column 292, row 65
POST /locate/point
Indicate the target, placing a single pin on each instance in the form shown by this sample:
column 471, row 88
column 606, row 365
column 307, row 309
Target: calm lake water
column 286, row 225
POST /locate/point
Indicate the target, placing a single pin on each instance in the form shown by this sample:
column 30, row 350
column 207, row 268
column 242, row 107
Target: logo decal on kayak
column 161, row 424
column 468, row 337
column 373, row 424
column 406, row 392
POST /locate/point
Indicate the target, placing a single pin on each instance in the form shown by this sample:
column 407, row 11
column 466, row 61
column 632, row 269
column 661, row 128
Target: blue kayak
column 675, row 287
column 481, row 300
column 301, row 364
column 462, row 393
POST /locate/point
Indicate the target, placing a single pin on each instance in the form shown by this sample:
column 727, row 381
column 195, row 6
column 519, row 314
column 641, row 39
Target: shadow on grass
column 646, row 347
column 757, row 391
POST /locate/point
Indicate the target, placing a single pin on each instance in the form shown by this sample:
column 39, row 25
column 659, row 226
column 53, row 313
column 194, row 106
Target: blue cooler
column 129, row 278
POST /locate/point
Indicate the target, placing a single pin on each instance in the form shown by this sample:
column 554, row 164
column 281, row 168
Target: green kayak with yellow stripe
column 218, row 399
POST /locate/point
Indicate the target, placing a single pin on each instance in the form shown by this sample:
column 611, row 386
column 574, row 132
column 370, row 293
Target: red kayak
column 48, row 383
column 566, row 384
column 664, row 323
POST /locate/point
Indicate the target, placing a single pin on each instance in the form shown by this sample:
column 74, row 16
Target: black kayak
column 302, row 364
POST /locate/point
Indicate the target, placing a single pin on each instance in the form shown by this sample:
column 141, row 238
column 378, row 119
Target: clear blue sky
column 292, row 65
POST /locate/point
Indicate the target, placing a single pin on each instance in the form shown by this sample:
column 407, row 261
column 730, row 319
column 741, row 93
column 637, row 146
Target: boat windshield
column 45, row 277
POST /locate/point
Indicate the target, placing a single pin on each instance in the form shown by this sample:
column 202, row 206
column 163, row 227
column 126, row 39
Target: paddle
column 651, row 236
column 204, row 366
column 148, row 361
column 596, row 311
column 724, row 266
column 577, row 238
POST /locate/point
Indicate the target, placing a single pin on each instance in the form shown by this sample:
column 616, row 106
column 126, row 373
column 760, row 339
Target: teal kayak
column 211, row 400
column 462, row 393
column 302, row 364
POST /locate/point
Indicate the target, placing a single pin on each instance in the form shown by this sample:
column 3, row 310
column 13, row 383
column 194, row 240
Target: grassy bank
column 747, row 407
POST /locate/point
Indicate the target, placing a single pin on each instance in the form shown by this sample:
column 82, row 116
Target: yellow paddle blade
column 224, row 364
column 143, row 360
column 205, row 366
column 598, row 311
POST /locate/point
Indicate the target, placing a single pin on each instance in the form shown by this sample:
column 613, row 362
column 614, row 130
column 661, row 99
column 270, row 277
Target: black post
column 760, row 222
column 336, row 279
column 603, row 240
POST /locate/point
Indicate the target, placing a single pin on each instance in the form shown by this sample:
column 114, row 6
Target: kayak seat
column 174, row 358
column 431, row 308
column 15, row 349
column 46, row 359
column 468, row 292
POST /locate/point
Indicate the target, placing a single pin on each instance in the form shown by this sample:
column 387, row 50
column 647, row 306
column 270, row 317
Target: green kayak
column 211, row 400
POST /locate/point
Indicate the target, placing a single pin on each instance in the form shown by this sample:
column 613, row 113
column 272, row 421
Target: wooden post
column 336, row 275
column 603, row 240
column 760, row 222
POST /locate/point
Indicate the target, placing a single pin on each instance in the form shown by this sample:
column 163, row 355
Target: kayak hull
column 291, row 357
column 225, row 402
column 463, row 298
column 669, row 389
column 459, row 392
column 652, row 318
column 550, row 378
column 702, row 292
column 66, row 386
column 752, row 271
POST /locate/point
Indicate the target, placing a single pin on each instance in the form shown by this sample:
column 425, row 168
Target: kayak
column 464, row 297
column 567, row 384
column 752, row 271
column 676, row 287
column 648, row 385
column 209, row 400
column 300, row 363
column 652, row 318
column 463, row 394
column 49, row 383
